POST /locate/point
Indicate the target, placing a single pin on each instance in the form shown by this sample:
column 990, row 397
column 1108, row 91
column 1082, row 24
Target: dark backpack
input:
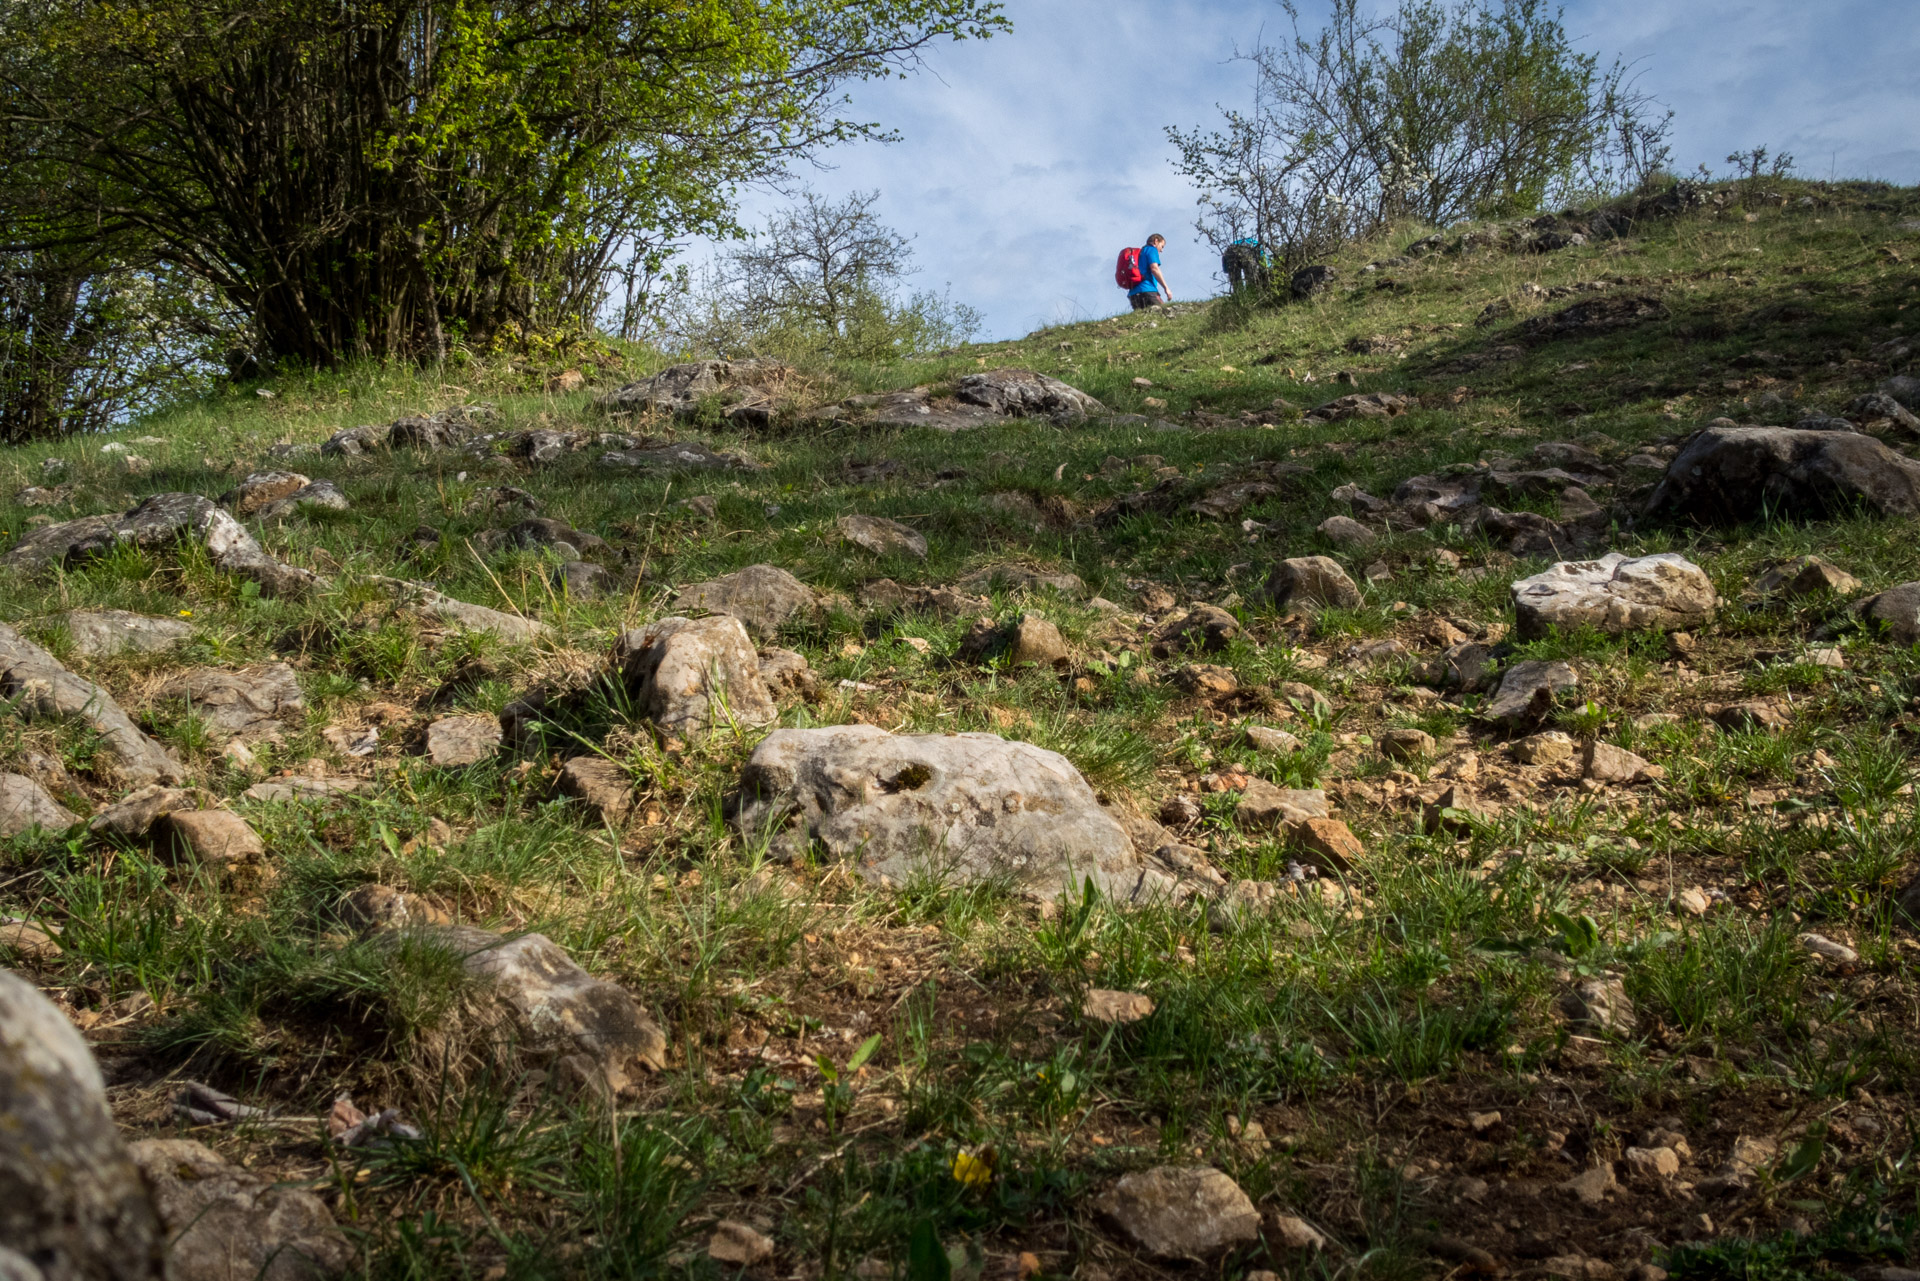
column 1126, row 272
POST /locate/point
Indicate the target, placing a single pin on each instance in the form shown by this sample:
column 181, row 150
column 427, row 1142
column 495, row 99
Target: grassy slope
column 1359, row 1026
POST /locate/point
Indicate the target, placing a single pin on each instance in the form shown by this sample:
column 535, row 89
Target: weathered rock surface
column 681, row 456
column 72, row 1202
column 1022, row 393
column 1026, row 640
column 321, row 495
column 462, row 740
column 1405, row 744
column 261, row 488
column 1021, row 578
column 1605, row 763
column 213, row 838
column 582, row 580
column 787, row 671
column 600, row 785
column 25, row 805
column 424, row 600
column 1264, row 806
column 234, row 551
column 1265, row 738
column 680, row 389
column 1181, row 1212
column 1600, row 1005
column 1347, row 533
column 1805, row 576
column 763, row 597
column 1308, row 582
column 1204, row 627
column 882, row 537
column 964, row 807
column 537, row 533
column 97, row 633
column 132, row 817
column 1465, row 665
column 1527, row 691
column 1733, row 474
column 44, row 689
column 251, row 703
column 226, row 1223
column 1548, row 748
column 282, row 791
column 1616, row 594
column 1897, row 610
column 691, row 674
column 1105, row 1006
column 884, row 596
column 156, row 520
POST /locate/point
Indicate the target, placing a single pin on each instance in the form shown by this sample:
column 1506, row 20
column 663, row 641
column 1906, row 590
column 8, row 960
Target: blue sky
column 1027, row 162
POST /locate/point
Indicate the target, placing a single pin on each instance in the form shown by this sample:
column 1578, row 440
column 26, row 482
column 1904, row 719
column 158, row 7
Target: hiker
column 1245, row 263
column 1139, row 274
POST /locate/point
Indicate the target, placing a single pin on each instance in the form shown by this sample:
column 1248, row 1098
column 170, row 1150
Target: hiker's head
column 1157, row 240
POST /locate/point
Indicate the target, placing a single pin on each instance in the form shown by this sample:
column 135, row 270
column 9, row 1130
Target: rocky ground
column 1413, row 781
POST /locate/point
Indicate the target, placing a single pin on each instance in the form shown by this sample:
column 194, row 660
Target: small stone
column 1204, row 627
column 1527, row 691
column 1827, row 656
column 351, row 741
column 1306, row 583
column 1264, row 806
column 1181, row 1212
column 1592, row 1186
column 1034, row 641
column 1481, row 1122
column 1452, row 812
column 1332, row 844
column 1304, row 698
column 25, row 805
column 1755, row 715
column 1295, row 1234
column 1181, row 810
column 1694, row 901
column 582, row 580
column 1207, row 680
column 213, row 838
column 738, row 1245
column 1347, row 533
column 1653, row 1165
column 1805, row 576
column 462, row 740
column 26, row 941
column 1605, row 763
column 1600, row 1005
column 602, row 786
column 1104, row 1006
column 1548, row 748
column 1827, row 950
column 1406, row 744
column 96, row 633
column 882, row 537
column 1276, row 741
column 226, row 1223
column 1654, row 720
column 1615, row 594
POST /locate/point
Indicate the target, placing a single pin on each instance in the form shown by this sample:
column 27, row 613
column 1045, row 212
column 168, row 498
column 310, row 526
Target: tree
column 383, row 177
column 1438, row 111
column 822, row 277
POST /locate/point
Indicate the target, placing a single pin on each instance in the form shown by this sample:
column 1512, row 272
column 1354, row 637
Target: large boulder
column 763, row 597
column 962, row 807
column 1616, row 594
column 1022, row 393
column 72, row 1202
column 692, row 674
column 1728, row 475
column 156, row 520
column 43, row 689
column 226, row 1223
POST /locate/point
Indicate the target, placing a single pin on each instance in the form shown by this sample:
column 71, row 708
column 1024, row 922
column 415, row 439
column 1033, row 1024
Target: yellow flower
column 186, row 613
column 975, row 1170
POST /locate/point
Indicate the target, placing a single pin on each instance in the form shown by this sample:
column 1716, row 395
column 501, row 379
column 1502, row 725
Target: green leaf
column 865, row 1052
column 926, row 1260
column 1804, row 1157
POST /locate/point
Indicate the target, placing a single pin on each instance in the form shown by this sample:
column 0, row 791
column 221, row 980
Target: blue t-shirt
column 1149, row 259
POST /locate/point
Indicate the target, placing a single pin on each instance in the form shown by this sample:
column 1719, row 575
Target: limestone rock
column 1805, row 576
column 1021, row 578
column 1103, row 1006
column 600, row 785
column 689, row 674
column 1729, row 475
column 1600, row 1005
column 1453, row 812
column 1605, row 763
column 1204, row 627
column 1754, row 714
column 1181, row 1212
column 682, row 456
column 537, row 533
column 1548, row 748
column 680, row 389
column 787, row 671
column 356, row 442
column 43, row 689
column 1347, row 533
column 965, row 807
column 132, row 817
column 1653, row 1165
column 1304, row 698
column 1371, row 404
column 1307, row 583
column 261, row 488
column 1615, row 594
column 1264, row 806
column 251, row 703
column 764, row 597
column 1827, row 949
column 462, row 740
column 321, row 495
column 1405, row 744
column 226, row 1223
column 1022, row 393
column 738, row 1245
column 882, row 537
column 1527, row 691
column 421, row 599
column 582, row 580
column 71, row 1199
column 97, row 633
column 1032, row 640
column 1206, row 680
column 1591, row 1186
column 234, row 551
column 213, row 838
column 282, row 791
column 25, row 805
column 884, row 596
column 1464, row 665
column 1267, row 739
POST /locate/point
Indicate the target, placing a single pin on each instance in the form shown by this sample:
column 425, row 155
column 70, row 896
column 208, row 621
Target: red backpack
column 1126, row 272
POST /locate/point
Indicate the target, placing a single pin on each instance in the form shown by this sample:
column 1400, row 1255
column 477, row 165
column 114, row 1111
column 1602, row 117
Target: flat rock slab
column 1181, row 1212
column 321, row 495
column 462, row 740
column 1616, row 594
column 251, row 703
column 226, row 1223
column 1527, row 691
column 97, row 633
column 25, row 805
column 603, row 787
column 682, row 457
column 421, row 599
column 763, row 597
column 75, row 1199
column 1022, row 393
column 1730, row 475
column 882, row 537
column 285, row 790
column 960, row 807
column 156, row 520
column 884, row 596
column 1024, row 579
column 213, row 838
column 691, row 674
column 43, row 689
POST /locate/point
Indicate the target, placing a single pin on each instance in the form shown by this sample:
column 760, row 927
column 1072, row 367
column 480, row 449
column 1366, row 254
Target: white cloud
column 1029, row 161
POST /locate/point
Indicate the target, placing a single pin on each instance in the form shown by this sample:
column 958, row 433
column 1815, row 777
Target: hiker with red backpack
column 1138, row 272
